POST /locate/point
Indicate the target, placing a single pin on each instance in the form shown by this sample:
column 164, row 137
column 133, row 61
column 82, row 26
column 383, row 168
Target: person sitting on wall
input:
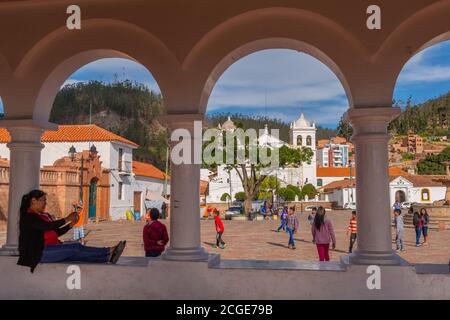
column 39, row 232
column 154, row 235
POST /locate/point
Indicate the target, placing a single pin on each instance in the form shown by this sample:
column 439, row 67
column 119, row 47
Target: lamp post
column 92, row 154
column 351, row 187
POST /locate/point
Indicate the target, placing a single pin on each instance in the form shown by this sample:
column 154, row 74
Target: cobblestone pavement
column 258, row 240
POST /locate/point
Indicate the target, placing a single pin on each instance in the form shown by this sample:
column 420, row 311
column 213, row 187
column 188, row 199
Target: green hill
column 126, row 108
column 130, row 109
column 431, row 118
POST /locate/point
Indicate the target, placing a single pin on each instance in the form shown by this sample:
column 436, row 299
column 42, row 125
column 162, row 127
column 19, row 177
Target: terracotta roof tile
column 74, row 133
column 339, row 184
column 345, row 172
column 148, row 170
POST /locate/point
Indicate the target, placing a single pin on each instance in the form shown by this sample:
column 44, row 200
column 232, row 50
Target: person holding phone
column 39, row 237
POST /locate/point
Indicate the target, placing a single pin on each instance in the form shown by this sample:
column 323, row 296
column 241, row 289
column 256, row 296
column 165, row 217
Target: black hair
column 26, row 199
column 423, row 209
column 319, row 218
column 354, row 212
column 398, row 211
column 154, row 214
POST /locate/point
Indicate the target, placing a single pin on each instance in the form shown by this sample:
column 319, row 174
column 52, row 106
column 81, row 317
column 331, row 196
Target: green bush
column 240, row 196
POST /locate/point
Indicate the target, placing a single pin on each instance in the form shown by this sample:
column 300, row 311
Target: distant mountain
column 130, row 109
column 126, row 108
column 258, row 122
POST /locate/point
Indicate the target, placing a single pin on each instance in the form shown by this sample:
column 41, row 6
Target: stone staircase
column 436, row 220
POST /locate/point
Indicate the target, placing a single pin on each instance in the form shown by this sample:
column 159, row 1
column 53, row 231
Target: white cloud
column 289, row 77
column 424, row 67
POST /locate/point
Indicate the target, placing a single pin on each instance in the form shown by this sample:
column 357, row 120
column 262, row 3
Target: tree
column 287, row 194
column 434, row 164
column 309, row 190
column 240, row 196
column 252, row 175
column 225, row 197
column 344, row 129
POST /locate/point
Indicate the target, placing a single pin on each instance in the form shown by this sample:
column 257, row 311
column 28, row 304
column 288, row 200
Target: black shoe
column 117, row 252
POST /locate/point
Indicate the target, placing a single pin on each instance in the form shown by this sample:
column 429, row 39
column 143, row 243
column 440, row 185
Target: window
column 425, row 195
column 120, row 195
column 319, row 182
column 299, row 140
column 308, row 140
column 120, row 159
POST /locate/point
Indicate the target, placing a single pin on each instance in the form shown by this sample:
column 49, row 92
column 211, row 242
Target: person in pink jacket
column 323, row 233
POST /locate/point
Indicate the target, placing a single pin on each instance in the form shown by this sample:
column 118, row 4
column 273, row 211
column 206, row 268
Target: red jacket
column 219, row 224
column 153, row 232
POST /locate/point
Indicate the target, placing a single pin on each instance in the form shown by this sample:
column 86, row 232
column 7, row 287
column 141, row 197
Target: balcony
column 125, row 168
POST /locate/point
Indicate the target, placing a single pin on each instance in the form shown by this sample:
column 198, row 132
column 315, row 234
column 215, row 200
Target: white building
column 333, row 155
column 302, row 135
column 409, row 188
column 420, row 189
column 116, row 154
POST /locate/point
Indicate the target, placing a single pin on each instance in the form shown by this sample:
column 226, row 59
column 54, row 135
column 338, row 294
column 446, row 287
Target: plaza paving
column 258, row 240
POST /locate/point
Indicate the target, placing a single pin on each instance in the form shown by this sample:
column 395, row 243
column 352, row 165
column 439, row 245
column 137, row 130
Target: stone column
column 185, row 191
column 24, row 173
column 372, row 185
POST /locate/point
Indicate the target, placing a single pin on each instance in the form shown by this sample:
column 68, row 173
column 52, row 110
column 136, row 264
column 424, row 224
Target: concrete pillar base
column 187, row 254
column 8, row 250
column 375, row 258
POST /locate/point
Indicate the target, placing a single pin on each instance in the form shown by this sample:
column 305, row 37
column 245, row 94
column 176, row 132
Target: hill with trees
column 126, row 108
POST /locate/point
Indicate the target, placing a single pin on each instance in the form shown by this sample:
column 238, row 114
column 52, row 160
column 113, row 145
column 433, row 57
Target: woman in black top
column 39, row 232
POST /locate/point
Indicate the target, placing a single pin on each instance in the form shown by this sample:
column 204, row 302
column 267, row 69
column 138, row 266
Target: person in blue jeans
column 284, row 214
column 292, row 227
column 426, row 220
column 39, row 237
column 418, row 224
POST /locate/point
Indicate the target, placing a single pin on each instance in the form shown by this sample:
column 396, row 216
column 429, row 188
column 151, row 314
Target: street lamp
column 351, row 187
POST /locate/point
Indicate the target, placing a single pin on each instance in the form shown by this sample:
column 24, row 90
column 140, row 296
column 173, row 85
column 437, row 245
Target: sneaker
column 117, row 252
column 293, row 247
column 289, row 246
column 418, row 245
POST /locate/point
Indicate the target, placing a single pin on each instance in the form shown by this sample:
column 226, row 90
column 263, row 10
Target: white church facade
column 302, row 135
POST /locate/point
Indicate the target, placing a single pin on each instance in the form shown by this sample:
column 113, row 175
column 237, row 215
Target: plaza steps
column 433, row 225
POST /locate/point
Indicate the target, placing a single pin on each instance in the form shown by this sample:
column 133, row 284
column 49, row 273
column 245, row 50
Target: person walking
column 292, row 227
column 426, row 220
column 283, row 219
column 352, row 230
column 323, row 233
column 219, row 230
column 154, row 235
column 399, row 229
column 418, row 224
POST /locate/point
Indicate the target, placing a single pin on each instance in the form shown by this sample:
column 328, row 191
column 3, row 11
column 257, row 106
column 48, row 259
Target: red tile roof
column 422, row 181
column 339, row 184
column 74, row 133
column 148, row 170
column 345, row 172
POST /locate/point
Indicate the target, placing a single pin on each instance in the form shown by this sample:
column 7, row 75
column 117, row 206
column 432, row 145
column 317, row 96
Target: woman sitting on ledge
column 39, row 232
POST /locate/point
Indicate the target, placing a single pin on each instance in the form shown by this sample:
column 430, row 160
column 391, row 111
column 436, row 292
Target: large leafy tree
column 253, row 175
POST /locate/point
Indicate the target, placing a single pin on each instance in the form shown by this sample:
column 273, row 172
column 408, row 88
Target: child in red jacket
column 219, row 229
column 155, row 235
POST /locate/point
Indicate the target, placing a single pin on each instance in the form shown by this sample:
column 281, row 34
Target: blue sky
column 283, row 83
